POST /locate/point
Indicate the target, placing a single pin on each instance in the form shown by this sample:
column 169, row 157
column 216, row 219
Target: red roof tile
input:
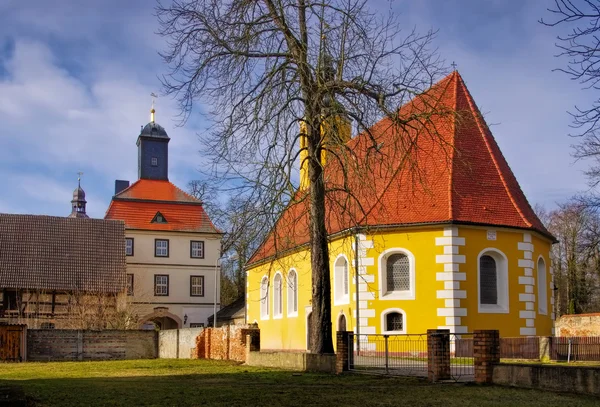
column 445, row 168
column 138, row 204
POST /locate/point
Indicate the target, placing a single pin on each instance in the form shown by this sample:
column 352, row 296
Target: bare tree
column 245, row 225
column 581, row 47
column 280, row 78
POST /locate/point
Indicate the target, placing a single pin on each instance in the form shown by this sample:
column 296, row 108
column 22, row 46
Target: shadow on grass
column 273, row 388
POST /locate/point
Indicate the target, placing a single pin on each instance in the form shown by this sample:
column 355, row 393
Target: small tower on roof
column 78, row 203
column 153, row 150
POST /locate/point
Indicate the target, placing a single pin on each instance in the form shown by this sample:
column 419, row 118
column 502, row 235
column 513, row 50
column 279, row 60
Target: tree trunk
column 321, row 335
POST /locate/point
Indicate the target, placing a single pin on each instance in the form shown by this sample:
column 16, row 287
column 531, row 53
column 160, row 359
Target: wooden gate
column 12, row 343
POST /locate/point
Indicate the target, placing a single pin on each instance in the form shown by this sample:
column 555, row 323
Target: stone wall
column 224, row 343
column 300, row 361
column 71, row 344
column 575, row 379
column 578, row 325
column 178, row 343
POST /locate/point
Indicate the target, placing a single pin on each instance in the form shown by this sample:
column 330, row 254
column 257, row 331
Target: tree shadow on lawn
column 276, row 388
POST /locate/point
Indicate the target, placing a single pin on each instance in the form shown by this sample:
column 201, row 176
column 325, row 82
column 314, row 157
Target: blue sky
column 76, row 78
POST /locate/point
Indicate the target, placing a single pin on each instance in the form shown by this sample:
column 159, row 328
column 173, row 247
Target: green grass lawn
column 213, row 383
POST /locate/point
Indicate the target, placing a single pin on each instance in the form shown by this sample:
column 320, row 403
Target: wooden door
column 11, row 340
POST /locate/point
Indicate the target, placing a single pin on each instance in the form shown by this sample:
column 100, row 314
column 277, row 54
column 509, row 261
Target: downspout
column 357, row 291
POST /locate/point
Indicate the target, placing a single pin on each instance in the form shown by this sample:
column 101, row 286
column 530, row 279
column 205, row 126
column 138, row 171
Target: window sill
column 293, row 315
column 408, row 295
column 403, row 332
column 345, row 300
column 280, row 316
column 492, row 309
column 264, row 318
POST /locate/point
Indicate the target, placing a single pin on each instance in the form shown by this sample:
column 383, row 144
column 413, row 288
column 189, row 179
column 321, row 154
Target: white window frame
column 128, row 247
column 277, row 296
column 159, row 249
column 382, row 265
column 292, row 293
column 199, row 286
column 154, row 162
column 502, row 307
column 384, row 314
column 264, row 297
column 542, row 282
column 160, row 285
column 197, row 252
column 339, row 296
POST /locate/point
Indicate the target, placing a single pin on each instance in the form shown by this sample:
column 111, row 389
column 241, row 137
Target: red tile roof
column 138, row 204
column 445, row 168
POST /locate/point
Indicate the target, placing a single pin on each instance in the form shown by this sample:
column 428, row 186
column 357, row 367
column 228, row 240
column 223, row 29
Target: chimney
column 120, row 185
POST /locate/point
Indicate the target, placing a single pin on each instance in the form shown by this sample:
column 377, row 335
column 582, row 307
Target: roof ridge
column 478, row 119
column 453, row 149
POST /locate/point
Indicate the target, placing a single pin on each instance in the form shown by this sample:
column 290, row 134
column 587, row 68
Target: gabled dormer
column 159, row 218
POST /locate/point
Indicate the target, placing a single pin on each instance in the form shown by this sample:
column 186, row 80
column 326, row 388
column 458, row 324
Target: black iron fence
column 406, row 355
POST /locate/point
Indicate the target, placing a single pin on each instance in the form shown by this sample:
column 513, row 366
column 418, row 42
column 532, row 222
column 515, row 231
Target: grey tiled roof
column 55, row 253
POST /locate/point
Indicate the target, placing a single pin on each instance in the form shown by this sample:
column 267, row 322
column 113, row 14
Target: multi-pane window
column 488, row 280
column 292, row 294
column 277, row 296
column 129, row 284
column 47, row 325
column 154, row 161
column 197, row 249
column 398, row 273
column 345, row 278
column 129, row 246
column 542, row 287
column 197, row 286
column 394, row 321
column 161, row 285
column 161, row 248
column 196, row 325
column 264, row 297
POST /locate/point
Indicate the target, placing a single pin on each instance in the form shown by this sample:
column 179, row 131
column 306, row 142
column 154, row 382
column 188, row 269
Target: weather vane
column 79, row 174
column 453, row 65
column 152, row 111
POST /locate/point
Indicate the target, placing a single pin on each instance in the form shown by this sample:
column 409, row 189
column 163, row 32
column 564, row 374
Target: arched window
column 488, row 281
column 492, row 280
column 341, row 286
column 542, row 287
column 398, row 272
column 264, row 298
column 292, row 293
column 277, row 296
column 393, row 321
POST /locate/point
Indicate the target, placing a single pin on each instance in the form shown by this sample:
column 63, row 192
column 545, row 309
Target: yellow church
column 437, row 234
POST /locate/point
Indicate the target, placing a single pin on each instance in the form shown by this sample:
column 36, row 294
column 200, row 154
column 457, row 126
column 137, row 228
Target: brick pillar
column 341, row 364
column 438, row 354
column 486, row 351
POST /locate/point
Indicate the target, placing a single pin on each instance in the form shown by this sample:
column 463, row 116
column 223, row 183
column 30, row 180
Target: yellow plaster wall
column 289, row 332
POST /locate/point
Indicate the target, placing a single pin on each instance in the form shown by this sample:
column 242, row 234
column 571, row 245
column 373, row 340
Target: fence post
column 438, row 354
column 350, row 350
column 79, row 344
column 386, row 337
column 341, row 364
column 486, row 352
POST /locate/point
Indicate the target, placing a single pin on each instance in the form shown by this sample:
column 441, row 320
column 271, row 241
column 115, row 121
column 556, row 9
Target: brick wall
column 67, row 344
column 224, row 343
column 578, row 325
column 486, row 354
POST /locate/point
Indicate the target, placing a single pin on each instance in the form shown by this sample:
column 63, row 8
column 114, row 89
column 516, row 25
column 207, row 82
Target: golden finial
column 79, row 174
column 152, row 111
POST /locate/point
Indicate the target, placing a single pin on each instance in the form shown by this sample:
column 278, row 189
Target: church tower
column 336, row 127
column 78, row 203
column 153, row 151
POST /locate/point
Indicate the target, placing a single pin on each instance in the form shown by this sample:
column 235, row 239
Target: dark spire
column 78, row 203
